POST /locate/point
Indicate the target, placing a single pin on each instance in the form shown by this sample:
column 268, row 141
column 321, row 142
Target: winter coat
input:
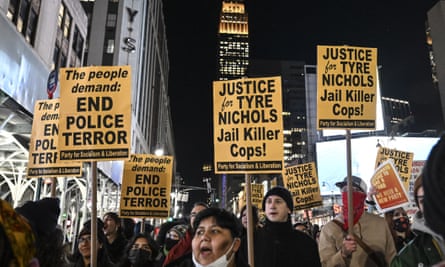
column 279, row 245
column 374, row 232
column 116, row 250
column 423, row 249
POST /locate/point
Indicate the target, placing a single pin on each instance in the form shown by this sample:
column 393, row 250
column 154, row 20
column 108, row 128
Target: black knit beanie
column 434, row 188
column 281, row 192
column 42, row 215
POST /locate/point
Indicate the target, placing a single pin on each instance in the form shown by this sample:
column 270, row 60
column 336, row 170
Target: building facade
column 41, row 36
column 435, row 38
column 233, row 41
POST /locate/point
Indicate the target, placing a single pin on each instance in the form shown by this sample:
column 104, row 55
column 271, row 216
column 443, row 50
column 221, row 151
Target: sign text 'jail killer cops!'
column 248, row 125
column 346, row 87
column 95, row 113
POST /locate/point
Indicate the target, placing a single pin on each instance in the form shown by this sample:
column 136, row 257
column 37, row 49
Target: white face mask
column 220, row 262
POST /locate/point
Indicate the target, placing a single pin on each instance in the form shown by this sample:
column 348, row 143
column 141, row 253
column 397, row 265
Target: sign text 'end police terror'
column 143, row 195
column 92, row 120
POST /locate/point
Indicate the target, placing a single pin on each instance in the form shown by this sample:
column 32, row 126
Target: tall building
column 233, row 61
column 233, row 41
column 133, row 33
column 397, row 115
column 294, row 104
column 41, row 36
column 435, row 34
column 37, row 37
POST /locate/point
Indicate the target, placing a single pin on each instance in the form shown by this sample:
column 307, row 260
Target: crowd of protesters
column 209, row 236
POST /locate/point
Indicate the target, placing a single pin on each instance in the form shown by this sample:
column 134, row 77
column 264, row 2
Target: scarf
column 358, row 204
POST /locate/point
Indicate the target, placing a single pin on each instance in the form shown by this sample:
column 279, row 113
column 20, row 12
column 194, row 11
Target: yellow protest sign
column 248, row 125
column 402, row 161
column 302, row 181
column 43, row 153
column 146, row 186
column 95, row 113
column 346, row 87
column 256, row 195
column 390, row 192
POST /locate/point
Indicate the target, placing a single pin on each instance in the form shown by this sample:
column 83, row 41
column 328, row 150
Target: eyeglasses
column 84, row 239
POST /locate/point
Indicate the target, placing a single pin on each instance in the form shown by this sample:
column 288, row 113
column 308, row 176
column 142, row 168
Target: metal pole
column 250, row 226
column 53, row 187
column 93, row 262
column 349, row 172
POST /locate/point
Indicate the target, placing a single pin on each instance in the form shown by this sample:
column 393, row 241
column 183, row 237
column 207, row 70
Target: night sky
column 290, row 30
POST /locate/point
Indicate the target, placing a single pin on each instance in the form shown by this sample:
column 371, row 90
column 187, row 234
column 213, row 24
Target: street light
column 324, row 183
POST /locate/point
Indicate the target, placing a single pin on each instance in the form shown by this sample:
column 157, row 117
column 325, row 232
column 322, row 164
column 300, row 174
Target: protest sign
column 43, row 153
column 302, row 181
column 346, row 87
column 248, row 125
column 402, row 161
column 146, row 186
column 390, row 193
column 256, row 196
column 95, row 113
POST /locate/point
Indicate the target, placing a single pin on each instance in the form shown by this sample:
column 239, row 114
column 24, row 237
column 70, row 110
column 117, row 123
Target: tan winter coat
column 374, row 232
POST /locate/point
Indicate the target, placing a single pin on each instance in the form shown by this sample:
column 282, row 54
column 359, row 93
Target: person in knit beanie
column 277, row 243
column 281, row 192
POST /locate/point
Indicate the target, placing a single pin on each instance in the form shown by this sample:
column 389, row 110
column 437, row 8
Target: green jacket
column 421, row 251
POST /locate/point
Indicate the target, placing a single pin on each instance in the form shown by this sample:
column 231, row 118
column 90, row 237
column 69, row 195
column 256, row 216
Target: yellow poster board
column 146, row 186
column 256, row 196
column 43, row 153
column 302, row 181
column 346, row 87
column 403, row 162
column 248, row 125
column 95, row 113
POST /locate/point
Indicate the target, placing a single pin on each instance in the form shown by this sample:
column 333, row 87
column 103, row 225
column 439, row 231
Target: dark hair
column 223, row 219
column 255, row 215
column 200, row 203
column 6, row 254
column 151, row 242
column 50, row 250
column 116, row 219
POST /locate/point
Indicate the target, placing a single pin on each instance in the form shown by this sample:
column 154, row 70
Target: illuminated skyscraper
column 233, row 38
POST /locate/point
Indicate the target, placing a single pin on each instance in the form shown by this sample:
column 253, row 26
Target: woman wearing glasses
column 82, row 256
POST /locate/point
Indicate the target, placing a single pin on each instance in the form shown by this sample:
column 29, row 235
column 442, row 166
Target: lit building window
column 110, row 47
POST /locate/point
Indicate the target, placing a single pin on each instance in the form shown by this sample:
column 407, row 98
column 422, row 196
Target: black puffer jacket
column 279, row 245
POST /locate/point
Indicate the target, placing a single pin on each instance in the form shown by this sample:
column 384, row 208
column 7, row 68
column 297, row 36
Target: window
column 25, row 14
column 67, row 26
column 111, row 20
column 110, row 47
column 12, row 9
